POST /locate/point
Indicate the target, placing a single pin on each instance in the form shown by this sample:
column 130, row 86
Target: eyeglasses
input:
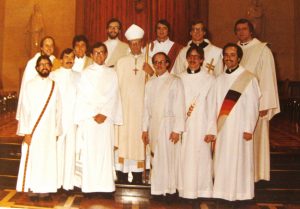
column 98, row 53
column 196, row 29
column 45, row 64
column 163, row 62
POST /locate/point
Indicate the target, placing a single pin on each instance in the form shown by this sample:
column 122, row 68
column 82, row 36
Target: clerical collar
column 202, row 45
column 80, row 58
column 189, row 71
column 229, row 71
column 245, row 43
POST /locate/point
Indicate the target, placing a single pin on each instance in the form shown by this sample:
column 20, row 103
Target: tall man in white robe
column 163, row 42
column 40, row 172
column 66, row 80
column 195, row 167
column 212, row 54
column 238, row 95
column 163, row 122
column 133, row 72
column 98, row 108
column 116, row 48
column 80, row 45
column 47, row 46
column 259, row 60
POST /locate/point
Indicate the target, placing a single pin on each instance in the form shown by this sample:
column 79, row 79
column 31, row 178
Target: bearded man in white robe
column 238, row 95
column 80, row 46
column 115, row 47
column 133, row 72
column 38, row 172
column 47, row 46
column 98, row 108
column 195, row 166
column 259, row 60
column 212, row 55
column 163, row 122
column 66, row 80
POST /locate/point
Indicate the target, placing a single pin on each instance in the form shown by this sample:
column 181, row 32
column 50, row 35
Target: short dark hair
column 43, row 40
column 168, row 60
column 66, row 51
column 242, row 21
column 79, row 38
column 163, row 22
column 199, row 50
column 238, row 49
column 43, row 57
column 195, row 22
column 114, row 20
column 98, row 45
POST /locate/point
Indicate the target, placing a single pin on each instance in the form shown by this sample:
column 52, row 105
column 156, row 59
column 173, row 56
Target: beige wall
column 59, row 20
column 279, row 29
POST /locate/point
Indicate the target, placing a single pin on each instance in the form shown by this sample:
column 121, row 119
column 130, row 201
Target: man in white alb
column 97, row 110
column 66, row 80
column 212, row 54
column 163, row 122
column 259, row 60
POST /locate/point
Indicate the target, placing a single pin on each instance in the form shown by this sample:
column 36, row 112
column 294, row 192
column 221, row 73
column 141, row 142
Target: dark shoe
column 47, row 198
column 34, row 198
column 137, row 178
column 122, row 178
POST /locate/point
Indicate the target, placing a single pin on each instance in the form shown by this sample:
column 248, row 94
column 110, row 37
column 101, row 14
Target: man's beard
column 44, row 74
column 113, row 36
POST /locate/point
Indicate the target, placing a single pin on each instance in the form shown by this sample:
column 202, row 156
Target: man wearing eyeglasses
column 115, row 47
column 195, row 167
column 97, row 109
column 38, row 171
column 163, row 123
column 212, row 55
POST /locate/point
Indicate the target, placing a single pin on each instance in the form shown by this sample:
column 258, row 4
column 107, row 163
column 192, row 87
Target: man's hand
column 27, row 139
column 174, row 137
column 209, row 138
column 247, row 136
column 145, row 137
column 263, row 113
column 148, row 69
column 99, row 118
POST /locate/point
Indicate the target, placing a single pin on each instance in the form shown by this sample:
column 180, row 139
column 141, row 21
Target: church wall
column 279, row 29
column 297, row 38
column 59, row 21
column 2, row 6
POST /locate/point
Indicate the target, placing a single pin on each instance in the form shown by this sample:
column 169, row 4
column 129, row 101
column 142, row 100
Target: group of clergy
column 196, row 116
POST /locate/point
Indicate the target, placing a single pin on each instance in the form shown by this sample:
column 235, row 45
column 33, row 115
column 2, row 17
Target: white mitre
column 134, row 32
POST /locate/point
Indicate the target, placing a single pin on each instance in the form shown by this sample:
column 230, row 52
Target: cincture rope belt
column 35, row 125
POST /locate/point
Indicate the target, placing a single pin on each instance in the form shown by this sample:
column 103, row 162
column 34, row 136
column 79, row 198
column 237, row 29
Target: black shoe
column 34, row 198
column 137, row 178
column 122, row 178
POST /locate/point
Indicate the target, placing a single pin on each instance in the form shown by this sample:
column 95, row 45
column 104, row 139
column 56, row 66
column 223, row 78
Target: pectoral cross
column 135, row 70
column 210, row 67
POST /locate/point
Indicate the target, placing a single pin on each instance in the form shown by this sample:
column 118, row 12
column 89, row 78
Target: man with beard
column 66, row 79
column 47, row 46
column 212, row 55
column 80, row 46
column 259, row 60
column 39, row 123
column 116, row 48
